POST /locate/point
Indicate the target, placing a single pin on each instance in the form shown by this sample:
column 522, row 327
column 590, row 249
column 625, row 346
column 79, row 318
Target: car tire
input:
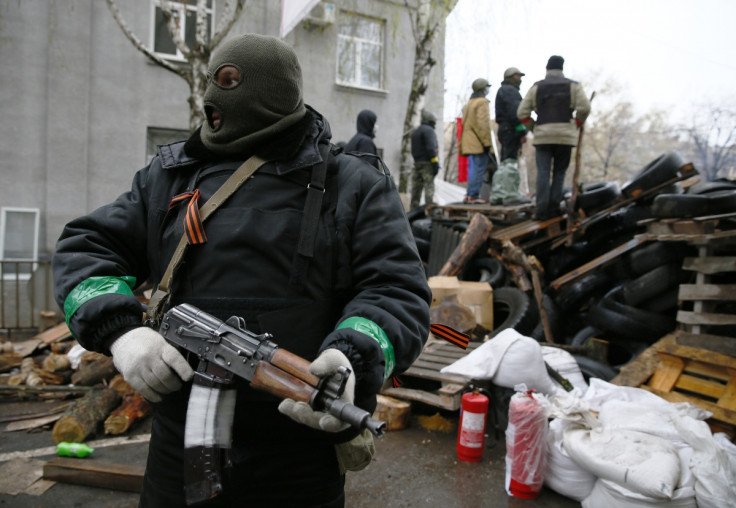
column 512, row 308
column 657, row 172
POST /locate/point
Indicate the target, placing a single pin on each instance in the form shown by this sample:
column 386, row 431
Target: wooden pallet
column 502, row 214
column 704, row 378
column 436, row 355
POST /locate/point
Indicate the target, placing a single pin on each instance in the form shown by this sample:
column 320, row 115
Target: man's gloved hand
column 435, row 167
column 326, row 364
column 150, row 364
column 520, row 129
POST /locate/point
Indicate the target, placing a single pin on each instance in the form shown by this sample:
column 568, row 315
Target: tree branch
column 225, row 24
column 139, row 45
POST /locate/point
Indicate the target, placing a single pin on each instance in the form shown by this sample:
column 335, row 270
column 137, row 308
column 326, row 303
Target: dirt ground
column 412, row 467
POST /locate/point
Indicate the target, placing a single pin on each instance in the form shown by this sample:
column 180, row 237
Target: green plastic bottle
column 80, row 450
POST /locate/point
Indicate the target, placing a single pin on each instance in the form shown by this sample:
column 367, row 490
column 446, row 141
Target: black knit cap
column 555, row 62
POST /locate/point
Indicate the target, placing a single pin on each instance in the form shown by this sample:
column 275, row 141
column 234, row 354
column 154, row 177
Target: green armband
column 96, row 286
column 374, row 331
column 520, row 128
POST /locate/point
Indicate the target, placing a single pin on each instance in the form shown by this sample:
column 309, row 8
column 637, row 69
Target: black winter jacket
column 362, row 141
column 508, row 99
column 366, row 263
column 424, row 143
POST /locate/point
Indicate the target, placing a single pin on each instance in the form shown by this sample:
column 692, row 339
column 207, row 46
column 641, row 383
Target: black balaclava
column 267, row 100
column 366, row 123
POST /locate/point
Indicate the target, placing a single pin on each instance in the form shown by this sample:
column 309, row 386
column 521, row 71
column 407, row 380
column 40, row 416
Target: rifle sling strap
column 160, row 297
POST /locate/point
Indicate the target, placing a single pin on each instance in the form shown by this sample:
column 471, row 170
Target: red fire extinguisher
column 525, row 446
column 472, row 428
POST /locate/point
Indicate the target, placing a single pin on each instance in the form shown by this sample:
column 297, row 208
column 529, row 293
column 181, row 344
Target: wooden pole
column 475, row 236
column 571, row 214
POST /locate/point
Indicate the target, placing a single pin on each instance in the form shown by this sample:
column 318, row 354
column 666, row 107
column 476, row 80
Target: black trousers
column 552, row 163
column 510, row 142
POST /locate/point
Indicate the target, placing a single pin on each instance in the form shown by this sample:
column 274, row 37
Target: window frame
column 182, row 7
column 3, row 233
column 357, row 54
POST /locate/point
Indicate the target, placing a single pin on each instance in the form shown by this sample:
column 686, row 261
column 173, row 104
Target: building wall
column 77, row 98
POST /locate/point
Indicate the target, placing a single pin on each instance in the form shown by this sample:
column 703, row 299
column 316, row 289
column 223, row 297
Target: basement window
column 18, row 241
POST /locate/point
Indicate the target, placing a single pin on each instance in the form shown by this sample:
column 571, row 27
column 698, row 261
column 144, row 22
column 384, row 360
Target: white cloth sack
column 508, row 359
column 713, row 467
column 640, row 462
column 564, row 475
column 610, row 494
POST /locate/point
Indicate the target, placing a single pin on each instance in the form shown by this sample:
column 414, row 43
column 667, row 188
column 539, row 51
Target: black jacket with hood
column 365, row 263
column 362, row 142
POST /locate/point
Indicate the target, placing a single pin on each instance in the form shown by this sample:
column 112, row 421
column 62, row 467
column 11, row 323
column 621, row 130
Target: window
column 157, row 136
column 18, row 240
column 185, row 10
column 360, row 51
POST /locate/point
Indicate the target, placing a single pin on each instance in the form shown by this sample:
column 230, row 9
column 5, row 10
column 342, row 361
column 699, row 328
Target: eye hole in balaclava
column 225, row 77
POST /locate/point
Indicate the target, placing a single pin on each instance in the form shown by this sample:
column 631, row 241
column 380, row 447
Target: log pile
column 49, row 366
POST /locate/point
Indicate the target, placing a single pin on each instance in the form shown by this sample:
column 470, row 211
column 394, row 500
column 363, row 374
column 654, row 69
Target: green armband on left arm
column 93, row 287
column 371, row 329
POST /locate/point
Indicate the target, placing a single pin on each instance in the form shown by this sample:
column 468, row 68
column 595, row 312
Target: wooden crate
column 704, row 378
column 436, row 355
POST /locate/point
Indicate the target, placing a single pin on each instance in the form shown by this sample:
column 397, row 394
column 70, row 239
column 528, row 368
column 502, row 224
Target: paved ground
column 413, row 467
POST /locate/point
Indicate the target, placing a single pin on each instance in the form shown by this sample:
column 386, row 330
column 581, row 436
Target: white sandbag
column 508, row 359
column 611, row 495
column 564, row 363
column 725, row 442
column 712, row 466
column 564, row 475
column 640, row 462
column 600, row 392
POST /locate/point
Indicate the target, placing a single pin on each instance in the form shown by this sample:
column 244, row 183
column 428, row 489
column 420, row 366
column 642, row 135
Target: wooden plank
column 694, row 239
column 443, row 400
column 94, row 474
column 700, row 355
column 728, row 397
column 711, row 389
column 54, row 334
column 707, row 370
column 717, row 343
column 704, row 318
column 435, row 375
column 596, row 263
column 707, row 292
column 719, row 413
column 669, row 370
column 710, row 265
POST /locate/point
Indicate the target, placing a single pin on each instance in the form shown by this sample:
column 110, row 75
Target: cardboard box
column 476, row 295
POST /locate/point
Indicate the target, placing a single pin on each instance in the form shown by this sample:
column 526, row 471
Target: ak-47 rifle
column 255, row 358
column 227, row 349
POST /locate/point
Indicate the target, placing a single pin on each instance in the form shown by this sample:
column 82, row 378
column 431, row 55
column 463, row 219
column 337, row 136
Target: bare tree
column 712, row 136
column 425, row 21
column 197, row 56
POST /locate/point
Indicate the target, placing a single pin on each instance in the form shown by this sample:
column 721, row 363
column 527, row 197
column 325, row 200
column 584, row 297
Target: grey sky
column 667, row 53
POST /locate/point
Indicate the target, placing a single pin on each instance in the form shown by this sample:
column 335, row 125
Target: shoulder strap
column 161, row 293
column 310, row 219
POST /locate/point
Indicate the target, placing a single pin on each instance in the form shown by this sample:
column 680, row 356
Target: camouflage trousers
column 422, row 179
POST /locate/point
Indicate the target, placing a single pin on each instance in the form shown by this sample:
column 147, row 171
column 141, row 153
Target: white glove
column 150, row 364
column 326, row 364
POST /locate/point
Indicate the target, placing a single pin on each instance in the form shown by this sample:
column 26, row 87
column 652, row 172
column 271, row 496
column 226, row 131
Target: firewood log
column 120, row 385
column 82, row 418
column 95, row 372
column 475, row 236
column 133, row 408
column 55, row 362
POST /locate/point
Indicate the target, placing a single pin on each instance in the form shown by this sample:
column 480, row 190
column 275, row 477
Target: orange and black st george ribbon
column 193, row 226
column 451, row 335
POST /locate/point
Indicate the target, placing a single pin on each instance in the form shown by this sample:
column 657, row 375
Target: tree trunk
column 81, row 419
column 95, row 372
column 475, row 236
column 133, row 408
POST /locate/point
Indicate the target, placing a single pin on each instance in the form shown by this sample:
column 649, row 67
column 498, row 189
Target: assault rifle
column 227, row 348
